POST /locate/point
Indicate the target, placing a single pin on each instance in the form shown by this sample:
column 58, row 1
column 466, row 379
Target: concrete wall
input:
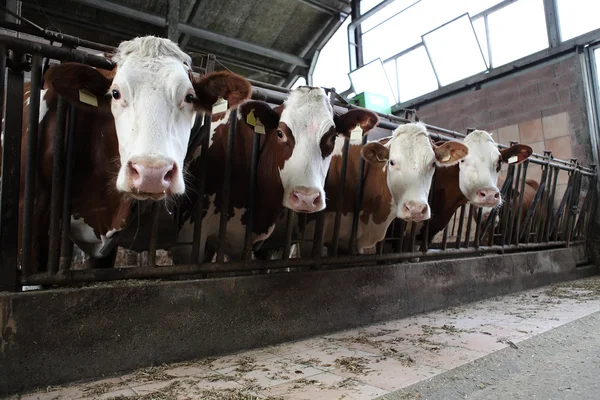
column 56, row 336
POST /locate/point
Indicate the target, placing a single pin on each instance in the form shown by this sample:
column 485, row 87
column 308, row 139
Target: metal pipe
column 469, row 224
column 478, row 226
column 357, row 202
column 95, row 275
column 226, row 192
column 247, row 252
column 195, row 32
column 461, row 223
column 11, row 172
column 153, row 236
column 521, row 199
column 514, row 208
column 402, row 229
column 58, row 176
column 338, row 208
column 66, row 251
column 31, row 163
column 288, row 234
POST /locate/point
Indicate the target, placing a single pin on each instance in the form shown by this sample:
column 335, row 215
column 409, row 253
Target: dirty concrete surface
column 403, row 355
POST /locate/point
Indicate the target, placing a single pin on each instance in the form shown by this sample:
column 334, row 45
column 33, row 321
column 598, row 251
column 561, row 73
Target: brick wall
column 543, row 107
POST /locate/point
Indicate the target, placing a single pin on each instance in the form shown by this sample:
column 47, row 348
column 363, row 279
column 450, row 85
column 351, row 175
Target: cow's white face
column 479, row 170
column 478, row 176
column 307, row 131
column 153, row 107
column 409, row 160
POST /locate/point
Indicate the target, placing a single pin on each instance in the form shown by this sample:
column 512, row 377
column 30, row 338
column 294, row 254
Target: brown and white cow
column 295, row 153
column 131, row 145
column 474, row 179
column 397, row 180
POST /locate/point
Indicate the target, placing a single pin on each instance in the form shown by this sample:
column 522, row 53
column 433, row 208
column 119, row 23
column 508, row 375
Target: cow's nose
column 306, row 200
column 152, row 177
column 488, row 197
column 415, row 211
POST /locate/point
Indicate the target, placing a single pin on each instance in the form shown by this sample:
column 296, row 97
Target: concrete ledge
column 59, row 336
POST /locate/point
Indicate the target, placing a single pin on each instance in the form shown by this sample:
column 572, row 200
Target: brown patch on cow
column 346, row 122
column 227, row 85
column 69, row 78
column 376, row 202
column 521, row 151
column 327, row 143
column 272, row 156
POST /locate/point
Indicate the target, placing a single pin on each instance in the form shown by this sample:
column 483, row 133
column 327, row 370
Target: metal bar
column 528, row 222
column 461, row 222
column 521, row 199
column 57, row 53
column 514, row 210
column 357, row 202
column 505, row 213
column 469, row 222
column 153, row 237
column 226, row 192
column 551, row 13
column 66, row 251
column 288, row 234
column 573, row 209
column 340, row 203
column 172, row 20
column 10, row 182
column 355, row 37
column 30, row 163
column 201, row 167
column 58, row 176
column 549, row 211
column 539, row 216
column 413, row 236
column 478, row 227
column 94, row 275
column 445, row 238
column 401, row 229
column 247, row 253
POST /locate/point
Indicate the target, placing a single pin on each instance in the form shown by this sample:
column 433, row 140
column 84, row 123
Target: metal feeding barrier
column 551, row 219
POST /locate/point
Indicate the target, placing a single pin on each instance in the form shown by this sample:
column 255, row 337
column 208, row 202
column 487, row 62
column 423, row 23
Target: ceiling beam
column 196, row 32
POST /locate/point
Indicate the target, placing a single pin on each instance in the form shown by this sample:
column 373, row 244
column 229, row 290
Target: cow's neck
column 446, row 198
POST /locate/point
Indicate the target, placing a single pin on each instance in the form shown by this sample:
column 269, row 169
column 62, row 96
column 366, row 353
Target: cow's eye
column 332, row 139
column 280, row 134
column 116, row 94
column 189, row 98
column 392, row 163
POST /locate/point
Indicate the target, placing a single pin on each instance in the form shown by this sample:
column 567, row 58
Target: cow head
column 306, row 137
column 409, row 159
column 478, row 176
column 153, row 98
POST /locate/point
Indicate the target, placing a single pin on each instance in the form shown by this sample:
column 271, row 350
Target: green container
column 373, row 102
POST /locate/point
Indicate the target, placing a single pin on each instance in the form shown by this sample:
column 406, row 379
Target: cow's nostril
column 169, row 175
column 133, row 171
column 497, row 195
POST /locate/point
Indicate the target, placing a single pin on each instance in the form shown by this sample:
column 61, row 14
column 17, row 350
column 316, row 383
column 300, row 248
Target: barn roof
column 271, row 41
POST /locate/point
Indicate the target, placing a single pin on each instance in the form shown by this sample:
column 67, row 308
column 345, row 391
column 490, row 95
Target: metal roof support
column 199, row 5
column 552, row 22
column 355, row 35
column 173, row 19
column 196, row 32
column 323, row 7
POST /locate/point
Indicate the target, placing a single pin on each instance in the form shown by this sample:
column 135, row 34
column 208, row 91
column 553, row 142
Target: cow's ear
column 375, row 153
column 449, row 153
column 81, row 85
column 346, row 123
column 223, row 84
column 516, row 154
column 251, row 110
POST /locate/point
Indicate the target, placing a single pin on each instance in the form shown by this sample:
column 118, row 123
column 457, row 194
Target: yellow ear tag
column 220, row 106
column 356, row 133
column 250, row 119
column 513, row 159
column 259, row 127
column 85, row 96
column 446, row 158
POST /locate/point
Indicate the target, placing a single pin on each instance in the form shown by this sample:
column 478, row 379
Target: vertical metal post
column 226, row 193
column 200, row 172
column 288, row 234
column 461, row 222
column 153, row 236
column 402, row 229
column 552, row 29
column 445, row 238
column 521, row 198
column 518, row 195
column 247, row 253
column 11, row 168
column 173, row 7
column 355, row 43
column 31, row 164
column 478, row 226
column 357, row 201
column 338, row 208
column 413, row 236
column 66, row 252
column 549, row 211
column 58, row 176
column 469, row 222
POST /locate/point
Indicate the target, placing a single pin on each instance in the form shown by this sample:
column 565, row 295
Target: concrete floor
column 512, row 347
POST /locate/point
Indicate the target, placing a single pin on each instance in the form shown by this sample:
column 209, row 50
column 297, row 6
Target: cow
column 131, row 135
column 396, row 182
column 295, row 153
column 474, row 179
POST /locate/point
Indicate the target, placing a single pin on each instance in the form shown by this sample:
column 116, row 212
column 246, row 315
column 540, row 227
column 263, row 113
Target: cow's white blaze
column 309, row 116
column 152, row 117
column 479, row 170
column 410, row 169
